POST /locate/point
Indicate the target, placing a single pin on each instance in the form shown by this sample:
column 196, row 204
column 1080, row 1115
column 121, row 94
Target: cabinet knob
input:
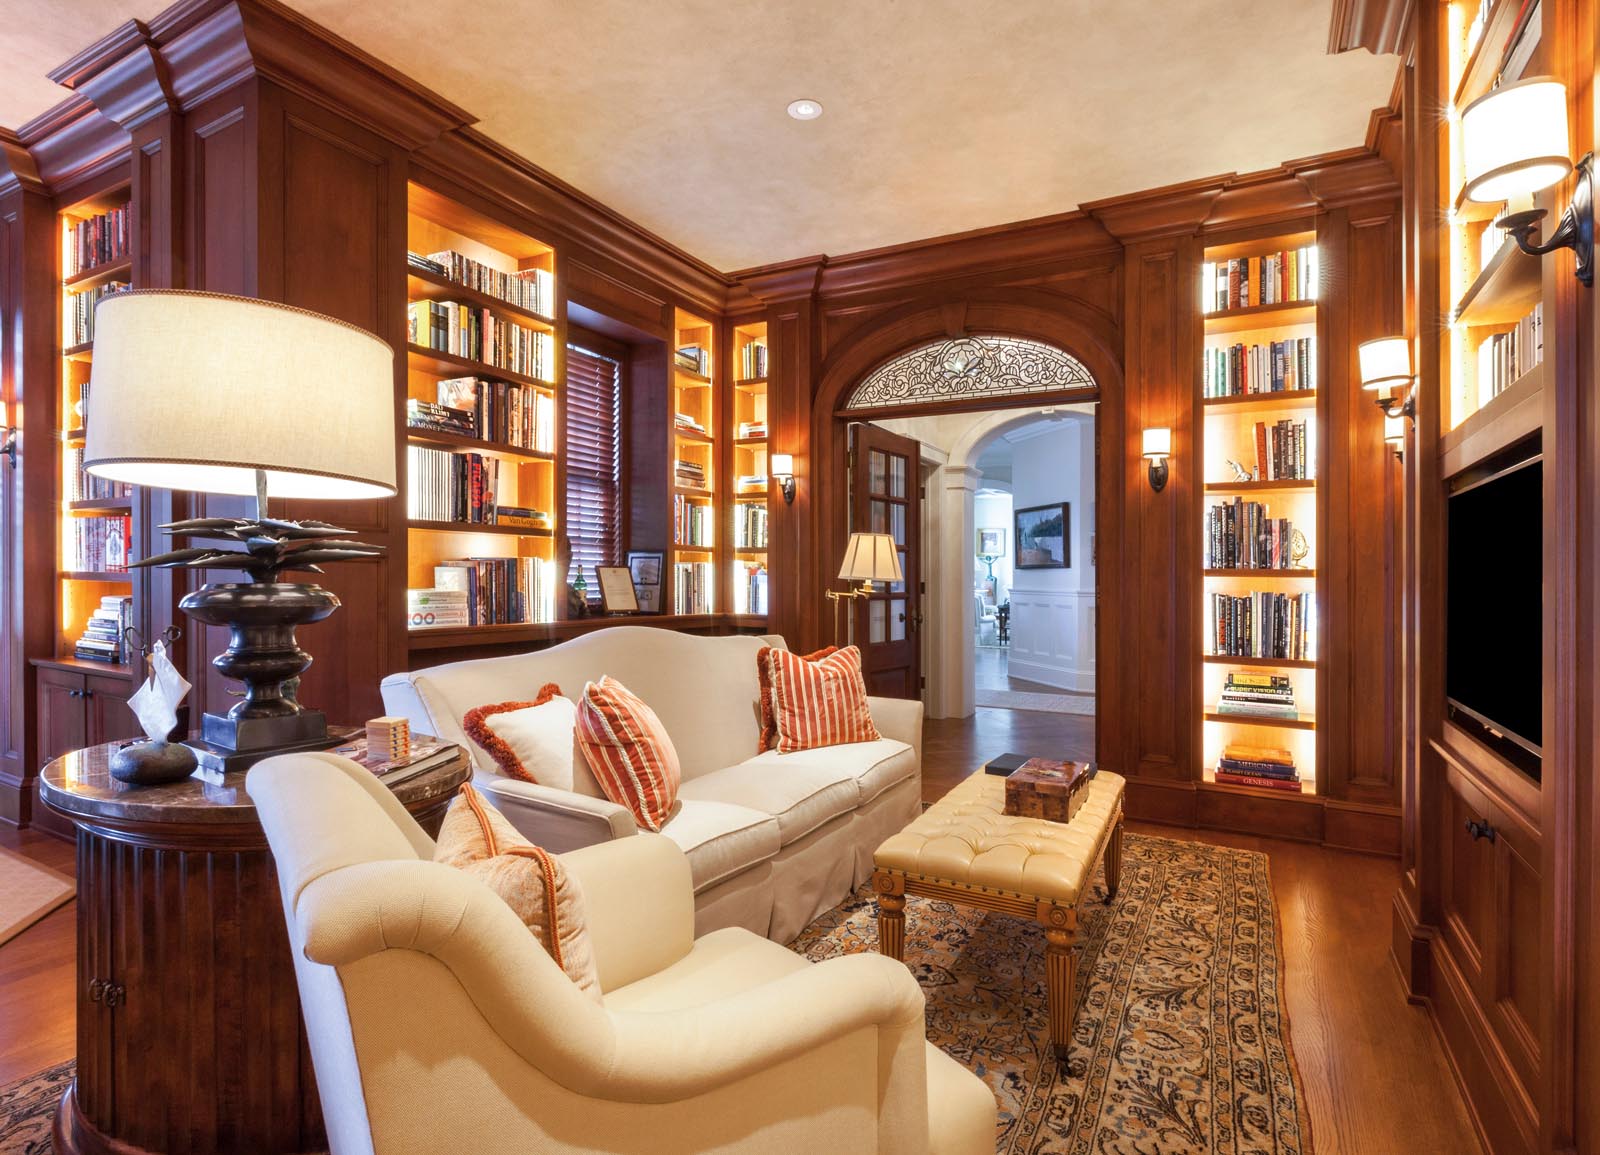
column 107, row 992
column 1480, row 829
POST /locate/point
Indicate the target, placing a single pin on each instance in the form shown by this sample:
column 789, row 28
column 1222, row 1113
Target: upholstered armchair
column 438, row 1023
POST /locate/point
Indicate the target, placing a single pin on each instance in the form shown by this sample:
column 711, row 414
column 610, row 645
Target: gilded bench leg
column 1060, row 966
column 1114, row 859
column 891, row 891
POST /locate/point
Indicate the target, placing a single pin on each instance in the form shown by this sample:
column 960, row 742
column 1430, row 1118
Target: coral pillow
column 476, row 838
column 629, row 752
column 529, row 741
column 769, row 716
column 821, row 702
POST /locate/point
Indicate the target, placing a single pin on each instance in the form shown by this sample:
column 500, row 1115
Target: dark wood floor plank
column 38, row 1012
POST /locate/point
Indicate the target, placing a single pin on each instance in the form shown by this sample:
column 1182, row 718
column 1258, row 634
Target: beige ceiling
column 941, row 115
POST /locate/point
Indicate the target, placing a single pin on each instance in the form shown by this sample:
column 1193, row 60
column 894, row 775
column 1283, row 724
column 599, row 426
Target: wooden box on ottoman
column 1044, row 789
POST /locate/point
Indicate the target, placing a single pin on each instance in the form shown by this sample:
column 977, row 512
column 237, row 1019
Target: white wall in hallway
column 993, row 511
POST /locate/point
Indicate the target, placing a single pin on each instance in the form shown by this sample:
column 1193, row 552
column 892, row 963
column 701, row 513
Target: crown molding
column 17, row 168
column 1382, row 27
column 122, row 76
column 785, row 281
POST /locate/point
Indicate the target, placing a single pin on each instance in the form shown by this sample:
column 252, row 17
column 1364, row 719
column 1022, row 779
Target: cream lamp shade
column 1394, row 429
column 782, row 465
column 1385, row 363
column 1158, row 444
column 1514, row 139
column 871, row 557
column 198, row 391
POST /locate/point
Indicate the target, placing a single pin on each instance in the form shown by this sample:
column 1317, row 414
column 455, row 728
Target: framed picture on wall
column 991, row 542
column 1043, row 536
column 645, row 567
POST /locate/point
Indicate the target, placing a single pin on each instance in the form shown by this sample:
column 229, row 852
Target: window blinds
column 594, row 463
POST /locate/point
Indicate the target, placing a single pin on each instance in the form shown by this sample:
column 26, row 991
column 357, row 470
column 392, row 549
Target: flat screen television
column 1494, row 615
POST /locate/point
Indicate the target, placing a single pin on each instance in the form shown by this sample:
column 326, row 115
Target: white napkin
column 156, row 702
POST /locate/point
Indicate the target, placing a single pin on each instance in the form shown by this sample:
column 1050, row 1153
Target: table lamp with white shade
column 868, row 558
column 231, row 395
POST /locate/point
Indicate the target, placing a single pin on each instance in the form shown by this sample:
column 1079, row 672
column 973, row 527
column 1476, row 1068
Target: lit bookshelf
column 749, row 483
column 693, row 465
column 482, row 415
column 94, row 543
column 1258, row 407
column 1495, row 338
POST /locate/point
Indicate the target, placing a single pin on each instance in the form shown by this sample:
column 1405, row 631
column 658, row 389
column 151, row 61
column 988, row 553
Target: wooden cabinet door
column 886, row 497
column 63, row 721
column 108, row 715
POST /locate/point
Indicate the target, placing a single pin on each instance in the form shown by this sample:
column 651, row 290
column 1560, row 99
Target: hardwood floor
column 1375, row 1077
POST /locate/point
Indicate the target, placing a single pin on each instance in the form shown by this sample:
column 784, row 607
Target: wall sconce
column 1514, row 143
column 782, row 470
column 1385, row 365
column 1157, row 448
column 1394, row 431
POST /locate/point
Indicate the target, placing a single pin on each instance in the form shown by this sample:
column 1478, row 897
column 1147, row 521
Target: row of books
column 77, row 315
column 1263, row 625
column 478, row 335
column 486, row 591
column 693, row 358
column 693, row 586
column 498, row 411
column 1505, row 357
column 751, row 429
column 693, row 524
column 98, row 240
column 100, row 544
column 530, row 289
column 1244, row 535
column 1257, row 696
column 750, row 590
column 1266, row 767
column 87, row 487
column 753, row 361
column 689, row 474
column 749, row 525
column 1283, row 452
column 1269, row 279
column 1275, row 367
column 446, row 486
column 103, row 634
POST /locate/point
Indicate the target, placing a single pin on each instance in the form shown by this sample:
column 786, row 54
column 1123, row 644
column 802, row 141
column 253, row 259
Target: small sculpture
column 155, row 704
column 1240, row 473
column 1299, row 548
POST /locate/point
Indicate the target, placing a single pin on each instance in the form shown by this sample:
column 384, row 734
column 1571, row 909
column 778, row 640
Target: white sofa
column 438, row 1023
column 772, row 840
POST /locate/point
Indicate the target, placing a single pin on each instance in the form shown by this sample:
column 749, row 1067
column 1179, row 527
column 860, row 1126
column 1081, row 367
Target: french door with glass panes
column 886, row 497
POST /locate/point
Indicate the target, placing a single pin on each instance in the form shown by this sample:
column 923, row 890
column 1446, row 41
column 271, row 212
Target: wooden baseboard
column 1157, row 800
column 1410, row 949
column 16, row 800
column 1361, row 827
column 1352, row 826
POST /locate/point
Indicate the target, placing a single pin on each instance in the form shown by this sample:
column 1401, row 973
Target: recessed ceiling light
column 805, row 109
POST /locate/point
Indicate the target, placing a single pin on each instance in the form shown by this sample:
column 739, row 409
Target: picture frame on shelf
column 645, row 567
column 992, row 542
column 617, row 595
column 1044, row 536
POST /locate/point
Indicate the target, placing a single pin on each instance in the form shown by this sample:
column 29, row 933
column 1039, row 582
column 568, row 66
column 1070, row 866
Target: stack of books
column 103, row 633
column 694, row 359
column 1263, row 625
column 1276, row 367
column 692, row 524
column 1270, row 279
column 750, row 525
column 748, row 482
column 1242, row 535
column 692, row 586
column 1265, row 766
column 689, row 474
column 424, row 754
column 437, row 607
column 496, row 411
column 684, row 421
column 486, row 591
column 1282, row 452
column 439, row 418
column 388, row 738
column 99, row 240
column 750, row 429
column 1257, row 696
column 100, row 544
column 753, row 361
column 521, row 516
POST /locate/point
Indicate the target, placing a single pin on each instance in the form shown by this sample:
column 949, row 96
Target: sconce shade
column 1394, row 428
column 781, row 465
column 1514, row 139
column 1385, row 362
column 198, row 391
column 1157, row 444
column 871, row 557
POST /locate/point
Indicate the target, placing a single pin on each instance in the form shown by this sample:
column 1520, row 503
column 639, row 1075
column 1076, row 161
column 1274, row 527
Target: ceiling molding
column 122, row 76
column 785, row 281
column 17, row 167
column 1379, row 26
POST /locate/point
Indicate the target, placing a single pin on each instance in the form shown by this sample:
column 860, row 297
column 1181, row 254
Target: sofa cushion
column 800, row 797
column 872, row 766
column 721, row 839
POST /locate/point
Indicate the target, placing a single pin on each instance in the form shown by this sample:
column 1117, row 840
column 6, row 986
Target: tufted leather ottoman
column 965, row 849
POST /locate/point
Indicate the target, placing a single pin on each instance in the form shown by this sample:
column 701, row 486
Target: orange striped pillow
column 818, row 703
column 629, row 751
column 769, row 716
column 477, row 838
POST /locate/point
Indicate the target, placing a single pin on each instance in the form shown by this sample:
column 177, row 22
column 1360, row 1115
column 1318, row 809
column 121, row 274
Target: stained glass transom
column 978, row 366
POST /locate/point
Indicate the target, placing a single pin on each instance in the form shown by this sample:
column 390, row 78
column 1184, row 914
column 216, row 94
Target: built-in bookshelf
column 693, row 465
column 749, row 481
column 95, row 599
column 1496, row 337
column 1258, row 404
column 482, row 420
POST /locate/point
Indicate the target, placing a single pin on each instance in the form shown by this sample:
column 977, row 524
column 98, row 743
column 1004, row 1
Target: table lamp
column 868, row 558
column 231, row 395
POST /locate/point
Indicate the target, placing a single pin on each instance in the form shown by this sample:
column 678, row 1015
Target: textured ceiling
column 940, row 115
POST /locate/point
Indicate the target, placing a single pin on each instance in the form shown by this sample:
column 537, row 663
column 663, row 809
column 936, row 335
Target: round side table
column 189, row 1029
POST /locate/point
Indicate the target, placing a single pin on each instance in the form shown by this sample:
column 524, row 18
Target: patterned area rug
column 1181, row 1044
column 28, row 1107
